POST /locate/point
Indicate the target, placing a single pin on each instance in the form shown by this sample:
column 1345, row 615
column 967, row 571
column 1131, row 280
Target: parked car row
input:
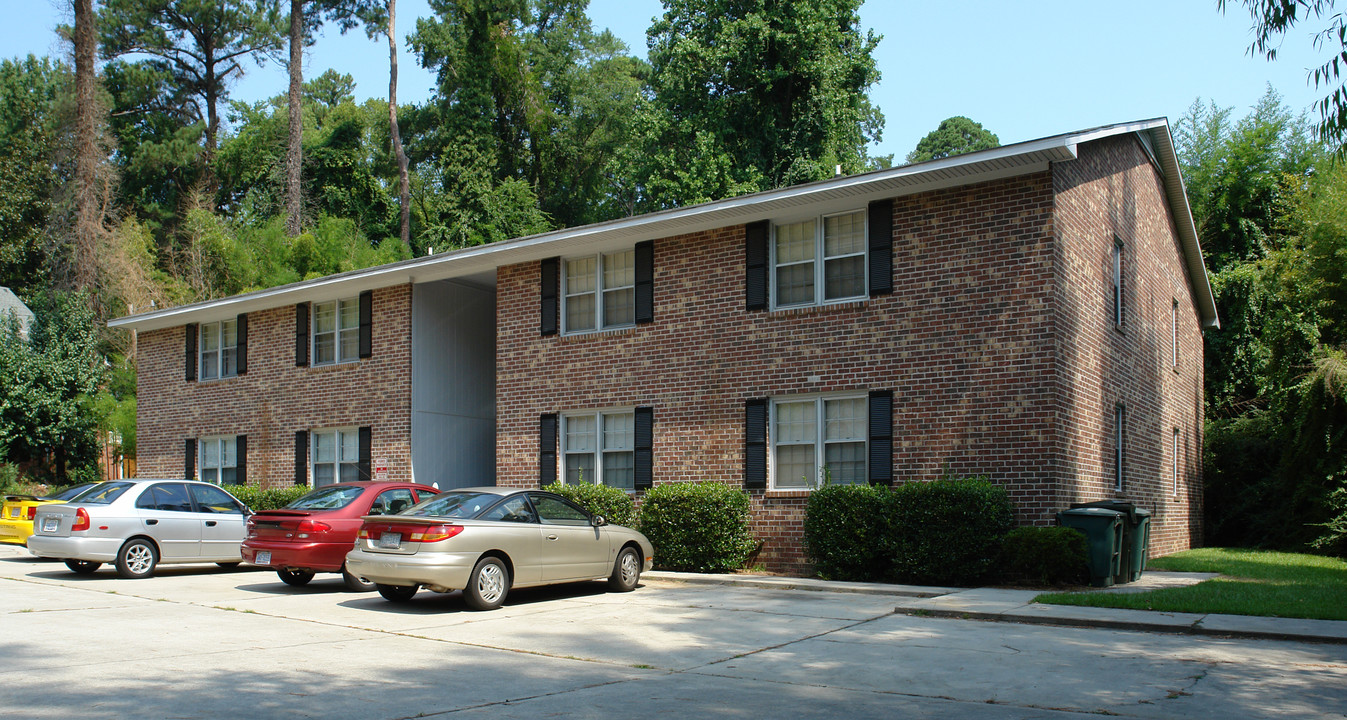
column 387, row 536
column 17, row 512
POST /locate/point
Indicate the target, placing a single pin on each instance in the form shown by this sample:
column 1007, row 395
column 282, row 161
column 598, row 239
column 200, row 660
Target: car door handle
column 210, row 523
column 151, row 522
column 551, row 537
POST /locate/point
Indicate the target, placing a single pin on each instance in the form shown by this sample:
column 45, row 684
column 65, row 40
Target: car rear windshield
column 453, row 504
column 69, row 492
column 328, row 498
column 102, row 493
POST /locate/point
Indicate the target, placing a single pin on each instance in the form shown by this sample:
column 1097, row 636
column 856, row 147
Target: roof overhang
column 835, row 194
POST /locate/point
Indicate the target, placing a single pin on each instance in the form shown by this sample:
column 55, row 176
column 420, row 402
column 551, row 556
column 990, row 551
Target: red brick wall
column 1114, row 190
column 275, row 399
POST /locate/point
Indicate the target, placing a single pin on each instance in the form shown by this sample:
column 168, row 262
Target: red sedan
column 314, row 533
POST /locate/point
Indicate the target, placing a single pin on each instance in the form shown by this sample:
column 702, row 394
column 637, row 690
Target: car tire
column 626, row 571
column 355, row 583
column 297, row 578
column 397, row 593
column 82, row 567
column 488, row 585
column 228, row 565
column 137, row 559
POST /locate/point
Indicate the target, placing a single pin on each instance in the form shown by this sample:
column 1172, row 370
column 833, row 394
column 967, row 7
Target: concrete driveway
column 196, row 642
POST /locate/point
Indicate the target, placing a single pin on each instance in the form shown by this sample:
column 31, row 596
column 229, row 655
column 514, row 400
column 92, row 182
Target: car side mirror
column 598, row 521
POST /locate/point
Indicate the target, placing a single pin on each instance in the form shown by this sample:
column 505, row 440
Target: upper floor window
column 819, row 260
column 600, row 291
column 599, row 448
column 336, row 331
column 336, row 456
column 1174, row 335
column 219, row 349
column 219, row 460
column 817, row 440
column 1117, row 283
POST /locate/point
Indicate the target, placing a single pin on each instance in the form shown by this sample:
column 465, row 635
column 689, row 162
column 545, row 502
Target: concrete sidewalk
column 1009, row 605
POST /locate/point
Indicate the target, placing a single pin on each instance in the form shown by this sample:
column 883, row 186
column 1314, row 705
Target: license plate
column 390, row 540
column 264, row 557
column 50, row 524
column 13, row 512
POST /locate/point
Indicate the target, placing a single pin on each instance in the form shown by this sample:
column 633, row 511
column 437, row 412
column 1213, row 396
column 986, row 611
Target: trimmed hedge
column 697, row 527
column 266, row 498
column 844, row 531
column 615, row 505
column 1045, row 556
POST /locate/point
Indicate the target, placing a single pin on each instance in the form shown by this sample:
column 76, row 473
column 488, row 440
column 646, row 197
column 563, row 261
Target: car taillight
column 311, row 527
column 435, row 533
column 412, row 533
column 251, row 526
column 32, row 512
column 81, row 520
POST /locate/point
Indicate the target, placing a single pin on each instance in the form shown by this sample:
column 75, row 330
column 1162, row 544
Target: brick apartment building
column 1032, row 313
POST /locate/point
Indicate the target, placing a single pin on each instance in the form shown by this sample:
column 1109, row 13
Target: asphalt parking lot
column 197, row 642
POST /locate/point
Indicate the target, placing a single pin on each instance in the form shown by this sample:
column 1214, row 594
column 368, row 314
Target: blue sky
column 1023, row 70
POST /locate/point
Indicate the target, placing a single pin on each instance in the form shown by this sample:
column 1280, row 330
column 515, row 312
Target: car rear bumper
column 440, row 569
column 75, row 548
column 319, row 557
column 15, row 531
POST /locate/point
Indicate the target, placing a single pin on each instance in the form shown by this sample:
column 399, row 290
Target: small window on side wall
column 1174, row 335
column 1119, row 446
column 1119, row 314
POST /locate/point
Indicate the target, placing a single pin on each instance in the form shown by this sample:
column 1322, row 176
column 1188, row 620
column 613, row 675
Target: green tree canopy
column 955, row 136
column 30, row 135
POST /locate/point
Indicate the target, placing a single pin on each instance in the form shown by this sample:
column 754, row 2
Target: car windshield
column 70, row 492
column 102, row 493
column 453, row 504
column 328, row 498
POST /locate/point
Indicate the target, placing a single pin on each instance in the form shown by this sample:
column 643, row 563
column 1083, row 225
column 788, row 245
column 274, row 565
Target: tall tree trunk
column 404, row 185
column 294, row 157
column 88, row 214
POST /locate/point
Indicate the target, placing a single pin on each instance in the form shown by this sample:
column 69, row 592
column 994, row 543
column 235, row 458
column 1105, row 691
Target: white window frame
column 601, row 449
column 820, row 261
column 1174, row 335
column 820, row 443
column 1119, row 317
column 225, row 445
column 223, row 352
column 600, row 323
column 339, row 332
column 340, row 436
column 1175, row 453
column 1119, row 446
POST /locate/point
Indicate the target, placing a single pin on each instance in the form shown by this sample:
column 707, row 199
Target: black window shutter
column 241, row 453
column 645, row 281
column 547, row 449
column 190, row 360
column 755, row 443
column 644, row 442
column 366, row 450
column 881, row 437
column 302, row 336
column 241, row 346
column 880, row 242
column 755, row 265
column 189, row 468
column 549, row 269
column 367, row 324
column 301, row 457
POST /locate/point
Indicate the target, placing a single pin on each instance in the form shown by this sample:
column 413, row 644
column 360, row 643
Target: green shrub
column 613, row 504
column 946, row 532
column 1044, row 556
column 844, row 531
column 697, row 527
column 260, row 499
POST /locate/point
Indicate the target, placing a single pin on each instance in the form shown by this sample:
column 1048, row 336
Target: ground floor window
column 218, row 461
column 599, row 448
column 818, row 440
column 335, row 456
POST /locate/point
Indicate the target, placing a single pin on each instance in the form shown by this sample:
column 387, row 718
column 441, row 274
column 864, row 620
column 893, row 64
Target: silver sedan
column 140, row 523
column 488, row 540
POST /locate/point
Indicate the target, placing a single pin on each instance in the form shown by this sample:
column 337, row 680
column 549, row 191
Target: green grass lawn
column 1253, row 582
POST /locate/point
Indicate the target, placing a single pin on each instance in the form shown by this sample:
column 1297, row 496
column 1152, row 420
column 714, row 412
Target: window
column 1119, row 445
column 218, row 462
column 827, row 253
column 1175, row 455
column 219, row 349
column 214, row 500
column 817, row 440
column 169, row 497
column 336, row 331
column 1174, row 335
column 600, row 292
column 1117, row 283
column 557, row 511
column 336, row 456
column 599, row 448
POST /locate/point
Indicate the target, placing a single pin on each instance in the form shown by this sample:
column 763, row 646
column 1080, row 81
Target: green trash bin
column 1103, row 530
column 1136, row 540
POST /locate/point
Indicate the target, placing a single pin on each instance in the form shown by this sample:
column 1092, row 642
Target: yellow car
column 16, row 514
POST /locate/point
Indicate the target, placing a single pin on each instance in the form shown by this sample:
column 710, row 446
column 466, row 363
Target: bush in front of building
column 1044, row 556
column 947, row 532
column 615, row 505
column 260, row 499
column 697, row 527
column 845, row 527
